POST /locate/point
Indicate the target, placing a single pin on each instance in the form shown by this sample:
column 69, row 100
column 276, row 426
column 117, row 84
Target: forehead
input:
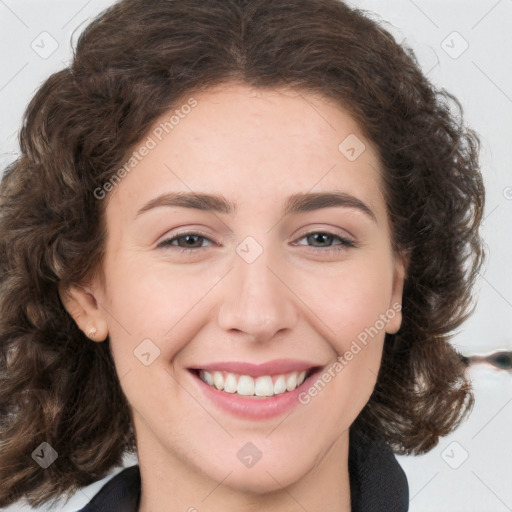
column 254, row 145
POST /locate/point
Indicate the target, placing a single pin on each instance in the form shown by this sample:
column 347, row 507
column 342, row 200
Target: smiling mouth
column 247, row 385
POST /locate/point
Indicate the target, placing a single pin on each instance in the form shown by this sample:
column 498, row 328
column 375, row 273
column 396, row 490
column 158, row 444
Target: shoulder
column 377, row 481
column 120, row 494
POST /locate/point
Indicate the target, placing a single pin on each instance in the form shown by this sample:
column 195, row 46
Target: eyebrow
column 297, row 203
column 305, row 202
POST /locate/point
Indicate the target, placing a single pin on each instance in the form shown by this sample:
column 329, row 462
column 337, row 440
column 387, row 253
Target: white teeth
column 264, row 386
column 218, row 380
column 291, row 381
column 207, row 377
column 230, row 384
column 248, row 386
column 245, row 385
column 280, row 385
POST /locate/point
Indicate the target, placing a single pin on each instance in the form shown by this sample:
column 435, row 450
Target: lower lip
column 254, row 407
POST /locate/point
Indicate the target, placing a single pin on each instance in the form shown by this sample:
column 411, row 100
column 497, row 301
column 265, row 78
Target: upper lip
column 277, row 366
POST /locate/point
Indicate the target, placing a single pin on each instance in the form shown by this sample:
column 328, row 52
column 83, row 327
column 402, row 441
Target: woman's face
column 250, row 240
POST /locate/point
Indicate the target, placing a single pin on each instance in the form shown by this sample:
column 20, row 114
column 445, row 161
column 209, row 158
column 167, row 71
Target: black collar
column 377, row 483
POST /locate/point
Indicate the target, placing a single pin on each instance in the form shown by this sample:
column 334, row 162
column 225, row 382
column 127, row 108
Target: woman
column 236, row 242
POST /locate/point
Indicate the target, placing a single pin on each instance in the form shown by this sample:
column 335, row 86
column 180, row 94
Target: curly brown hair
column 132, row 64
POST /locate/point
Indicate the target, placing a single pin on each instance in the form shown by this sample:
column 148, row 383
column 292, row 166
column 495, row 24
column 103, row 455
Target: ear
column 83, row 307
column 395, row 304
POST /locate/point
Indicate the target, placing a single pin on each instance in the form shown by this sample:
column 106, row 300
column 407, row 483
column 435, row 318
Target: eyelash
column 344, row 244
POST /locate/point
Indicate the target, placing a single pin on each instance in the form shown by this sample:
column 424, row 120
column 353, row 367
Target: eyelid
column 328, row 230
column 166, row 239
column 346, row 242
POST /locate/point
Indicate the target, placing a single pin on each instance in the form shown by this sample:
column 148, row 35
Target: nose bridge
column 256, row 301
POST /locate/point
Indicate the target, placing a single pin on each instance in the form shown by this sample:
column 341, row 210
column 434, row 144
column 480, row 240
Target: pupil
column 323, row 238
column 191, row 240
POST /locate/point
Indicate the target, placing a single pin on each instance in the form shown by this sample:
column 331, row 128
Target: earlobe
column 85, row 311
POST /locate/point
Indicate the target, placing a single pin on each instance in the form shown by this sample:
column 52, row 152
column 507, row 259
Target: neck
column 170, row 482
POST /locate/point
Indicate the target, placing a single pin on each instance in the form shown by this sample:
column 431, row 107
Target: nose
column 257, row 301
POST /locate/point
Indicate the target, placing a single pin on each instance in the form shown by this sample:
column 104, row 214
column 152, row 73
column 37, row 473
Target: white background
column 481, row 77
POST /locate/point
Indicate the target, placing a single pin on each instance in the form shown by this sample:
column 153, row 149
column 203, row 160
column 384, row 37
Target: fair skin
column 304, row 298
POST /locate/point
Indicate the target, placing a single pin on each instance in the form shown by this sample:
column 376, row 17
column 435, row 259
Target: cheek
column 156, row 304
column 348, row 308
column 347, row 301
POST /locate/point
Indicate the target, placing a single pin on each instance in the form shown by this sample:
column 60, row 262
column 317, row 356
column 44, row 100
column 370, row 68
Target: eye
column 327, row 240
column 193, row 240
column 185, row 242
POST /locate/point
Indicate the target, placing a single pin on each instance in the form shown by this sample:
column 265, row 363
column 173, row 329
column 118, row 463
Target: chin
column 268, row 475
column 259, row 482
